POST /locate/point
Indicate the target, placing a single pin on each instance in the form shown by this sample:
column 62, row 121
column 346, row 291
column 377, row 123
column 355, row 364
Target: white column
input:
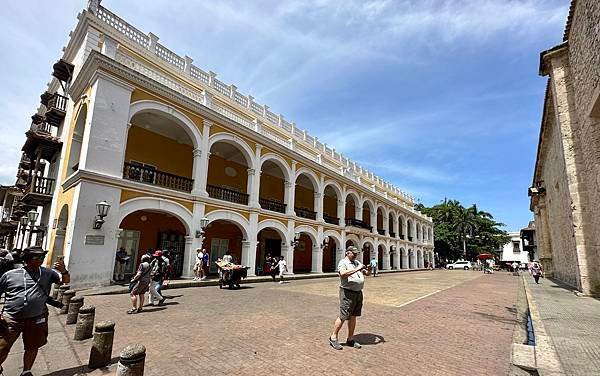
column 290, row 187
column 199, row 174
column 386, row 259
column 249, row 255
column 405, row 261
column 254, row 178
column 187, row 267
column 318, row 204
column 341, row 212
column 386, row 223
column 317, row 259
column 287, row 249
column 374, row 221
column 358, row 214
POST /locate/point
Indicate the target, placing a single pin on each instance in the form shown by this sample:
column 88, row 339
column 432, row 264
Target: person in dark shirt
column 26, row 291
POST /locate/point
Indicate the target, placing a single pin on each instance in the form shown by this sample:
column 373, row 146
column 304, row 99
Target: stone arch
column 235, row 141
column 158, row 204
column 275, row 225
column 355, row 239
column 369, row 201
column 230, row 216
column 355, row 196
column 334, row 235
column 153, row 106
column 310, row 231
column 279, row 161
column 369, row 241
column 336, row 187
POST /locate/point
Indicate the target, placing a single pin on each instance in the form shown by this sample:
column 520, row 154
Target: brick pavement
column 572, row 323
column 270, row 328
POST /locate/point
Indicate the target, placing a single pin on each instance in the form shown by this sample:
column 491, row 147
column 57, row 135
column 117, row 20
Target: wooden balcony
column 392, row 234
column 358, row 223
column 39, row 192
column 331, row 219
column 305, row 213
column 272, row 205
column 155, row 177
column 63, row 70
column 226, row 194
column 56, row 109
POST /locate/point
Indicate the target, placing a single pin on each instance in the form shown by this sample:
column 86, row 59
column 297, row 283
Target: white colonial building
column 514, row 250
column 167, row 145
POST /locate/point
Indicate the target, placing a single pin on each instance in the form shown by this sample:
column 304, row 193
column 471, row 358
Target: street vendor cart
column 231, row 274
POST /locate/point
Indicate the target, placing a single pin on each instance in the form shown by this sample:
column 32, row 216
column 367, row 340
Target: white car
column 466, row 265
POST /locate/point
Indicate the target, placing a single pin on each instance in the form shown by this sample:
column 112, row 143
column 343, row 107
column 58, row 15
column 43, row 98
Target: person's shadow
column 369, row 339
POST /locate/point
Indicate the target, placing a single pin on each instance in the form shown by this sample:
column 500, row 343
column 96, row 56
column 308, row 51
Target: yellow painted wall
column 128, row 195
column 330, row 206
column 305, row 198
column 272, row 187
column 217, row 176
column 164, row 153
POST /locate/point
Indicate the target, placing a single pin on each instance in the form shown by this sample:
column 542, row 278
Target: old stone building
column 565, row 196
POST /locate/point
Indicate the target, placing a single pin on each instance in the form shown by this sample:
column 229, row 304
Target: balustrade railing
column 58, row 102
column 155, row 177
column 358, row 223
column 331, row 219
column 305, row 213
column 271, row 205
column 42, row 127
column 381, row 231
column 226, row 194
column 41, row 185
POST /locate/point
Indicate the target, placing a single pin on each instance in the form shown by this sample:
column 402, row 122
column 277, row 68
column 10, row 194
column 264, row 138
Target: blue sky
column 440, row 97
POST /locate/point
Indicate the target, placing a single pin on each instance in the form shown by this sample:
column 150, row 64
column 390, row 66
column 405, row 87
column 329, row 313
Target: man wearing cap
column 352, row 282
column 26, row 291
column 158, row 268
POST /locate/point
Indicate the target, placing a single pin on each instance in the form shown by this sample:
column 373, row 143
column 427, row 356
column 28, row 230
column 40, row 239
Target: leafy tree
column 458, row 228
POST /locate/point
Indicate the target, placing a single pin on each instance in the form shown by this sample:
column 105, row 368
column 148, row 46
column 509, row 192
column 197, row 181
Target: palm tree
column 465, row 222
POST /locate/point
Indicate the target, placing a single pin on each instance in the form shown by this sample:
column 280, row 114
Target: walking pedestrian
column 536, row 272
column 26, row 292
column 270, row 267
column 199, row 265
column 282, row 266
column 158, row 270
column 352, row 281
column 373, row 264
column 205, row 263
column 139, row 285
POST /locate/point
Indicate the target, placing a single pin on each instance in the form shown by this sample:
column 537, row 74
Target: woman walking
column 536, row 272
column 139, row 285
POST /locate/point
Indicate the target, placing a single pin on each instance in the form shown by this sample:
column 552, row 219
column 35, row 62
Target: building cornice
column 548, row 55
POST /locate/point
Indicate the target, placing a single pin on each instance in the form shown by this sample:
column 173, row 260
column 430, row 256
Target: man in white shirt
column 282, row 265
column 352, row 282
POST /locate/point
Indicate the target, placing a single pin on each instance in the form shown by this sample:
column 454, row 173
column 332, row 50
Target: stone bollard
column 101, row 352
column 66, row 300
column 55, row 287
column 131, row 361
column 74, row 306
column 61, row 291
column 85, row 323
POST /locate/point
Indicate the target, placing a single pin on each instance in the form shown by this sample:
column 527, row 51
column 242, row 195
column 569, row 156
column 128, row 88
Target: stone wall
column 584, row 59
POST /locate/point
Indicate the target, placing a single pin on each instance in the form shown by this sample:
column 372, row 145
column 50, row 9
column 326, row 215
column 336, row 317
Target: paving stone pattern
column 282, row 329
column 573, row 323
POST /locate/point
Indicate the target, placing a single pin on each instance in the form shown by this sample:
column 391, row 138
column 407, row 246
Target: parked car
column 466, row 265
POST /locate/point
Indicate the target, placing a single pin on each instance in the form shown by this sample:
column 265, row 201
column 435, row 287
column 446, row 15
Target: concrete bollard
column 61, row 291
column 74, row 306
column 85, row 323
column 131, row 361
column 66, row 300
column 101, row 352
column 55, row 287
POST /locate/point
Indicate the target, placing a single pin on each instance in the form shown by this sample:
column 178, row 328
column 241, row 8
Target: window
column 516, row 246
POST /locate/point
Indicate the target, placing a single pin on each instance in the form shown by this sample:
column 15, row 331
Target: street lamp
column 102, row 209
column 200, row 233
column 23, row 222
column 32, row 217
column 325, row 242
column 294, row 243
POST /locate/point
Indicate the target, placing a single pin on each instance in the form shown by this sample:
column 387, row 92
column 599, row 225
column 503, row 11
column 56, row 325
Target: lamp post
column 294, row 243
column 325, row 242
column 32, row 217
column 200, row 233
column 23, row 222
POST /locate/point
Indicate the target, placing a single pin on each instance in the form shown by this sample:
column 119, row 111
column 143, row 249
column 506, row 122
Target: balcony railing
column 271, row 205
column 155, row 177
column 227, row 194
column 358, row 223
column 57, row 108
column 331, row 219
column 381, row 231
column 42, row 127
column 305, row 213
column 392, row 234
column 402, row 236
column 42, row 186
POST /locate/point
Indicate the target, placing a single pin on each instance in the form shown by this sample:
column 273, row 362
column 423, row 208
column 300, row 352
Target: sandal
column 132, row 311
column 139, row 310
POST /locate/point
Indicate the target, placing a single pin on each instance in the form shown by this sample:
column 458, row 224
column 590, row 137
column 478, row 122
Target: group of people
column 275, row 266
column 152, row 274
column 201, row 265
column 534, row 268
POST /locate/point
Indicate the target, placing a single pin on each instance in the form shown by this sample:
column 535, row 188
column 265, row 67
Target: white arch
column 367, row 240
column 153, row 106
column 311, row 176
column 355, row 197
column 372, row 207
column 230, row 216
column 157, row 204
column 335, row 235
column 234, row 140
column 275, row 225
column 336, row 187
column 279, row 161
column 354, row 238
column 310, row 231
column 382, row 243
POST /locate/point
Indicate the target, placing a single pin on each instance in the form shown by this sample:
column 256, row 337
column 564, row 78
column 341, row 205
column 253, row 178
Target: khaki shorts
column 35, row 333
column 351, row 303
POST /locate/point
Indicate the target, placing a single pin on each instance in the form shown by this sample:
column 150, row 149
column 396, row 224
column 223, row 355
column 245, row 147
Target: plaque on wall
column 94, row 239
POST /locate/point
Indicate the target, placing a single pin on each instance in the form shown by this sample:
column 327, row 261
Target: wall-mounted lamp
column 325, row 242
column 200, row 233
column 102, row 209
column 294, row 243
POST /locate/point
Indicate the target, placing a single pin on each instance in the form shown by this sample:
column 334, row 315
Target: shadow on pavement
column 496, row 318
column 369, row 339
column 82, row 370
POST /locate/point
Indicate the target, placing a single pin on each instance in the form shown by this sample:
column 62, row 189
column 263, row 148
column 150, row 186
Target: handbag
column 133, row 283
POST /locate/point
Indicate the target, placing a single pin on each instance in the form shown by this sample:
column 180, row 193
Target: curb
column 545, row 357
column 179, row 284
